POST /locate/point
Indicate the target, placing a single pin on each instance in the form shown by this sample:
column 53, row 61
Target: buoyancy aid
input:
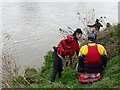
column 93, row 55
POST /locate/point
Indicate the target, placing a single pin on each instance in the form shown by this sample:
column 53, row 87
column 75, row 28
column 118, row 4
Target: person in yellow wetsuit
column 92, row 57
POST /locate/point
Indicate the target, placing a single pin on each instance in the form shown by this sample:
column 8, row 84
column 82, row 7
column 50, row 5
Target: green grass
column 111, row 76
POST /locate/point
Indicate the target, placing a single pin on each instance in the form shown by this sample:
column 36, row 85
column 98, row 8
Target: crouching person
column 92, row 57
column 66, row 48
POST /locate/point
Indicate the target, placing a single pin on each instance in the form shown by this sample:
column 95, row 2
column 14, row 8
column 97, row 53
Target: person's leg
column 60, row 68
column 55, row 66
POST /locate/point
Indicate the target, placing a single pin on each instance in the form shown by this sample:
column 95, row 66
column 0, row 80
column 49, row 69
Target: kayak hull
column 88, row 77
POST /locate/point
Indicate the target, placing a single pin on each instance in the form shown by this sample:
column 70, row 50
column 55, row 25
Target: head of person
column 77, row 33
column 92, row 37
column 93, row 29
column 97, row 20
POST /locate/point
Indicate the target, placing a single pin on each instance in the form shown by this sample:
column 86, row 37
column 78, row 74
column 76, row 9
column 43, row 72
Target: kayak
column 88, row 77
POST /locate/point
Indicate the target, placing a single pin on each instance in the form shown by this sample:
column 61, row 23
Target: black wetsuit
column 57, row 66
column 97, row 25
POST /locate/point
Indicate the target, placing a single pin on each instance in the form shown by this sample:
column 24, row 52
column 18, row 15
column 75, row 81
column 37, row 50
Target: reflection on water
column 33, row 26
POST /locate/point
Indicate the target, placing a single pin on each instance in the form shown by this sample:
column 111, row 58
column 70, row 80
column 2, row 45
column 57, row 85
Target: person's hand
column 81, row 57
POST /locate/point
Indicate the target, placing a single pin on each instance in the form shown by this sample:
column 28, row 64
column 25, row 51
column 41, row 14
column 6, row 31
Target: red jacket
column 68, row 46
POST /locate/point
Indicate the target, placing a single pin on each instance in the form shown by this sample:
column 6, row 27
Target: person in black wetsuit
column 97, row 25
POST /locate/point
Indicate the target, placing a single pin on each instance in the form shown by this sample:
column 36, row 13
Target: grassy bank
column 111, row 77
column 41, row 79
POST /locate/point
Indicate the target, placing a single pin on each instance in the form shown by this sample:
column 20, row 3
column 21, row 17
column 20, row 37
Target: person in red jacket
column 66, row 48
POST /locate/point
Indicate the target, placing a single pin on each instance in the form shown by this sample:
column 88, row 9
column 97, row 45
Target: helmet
column 93, row 29
column 92, row 36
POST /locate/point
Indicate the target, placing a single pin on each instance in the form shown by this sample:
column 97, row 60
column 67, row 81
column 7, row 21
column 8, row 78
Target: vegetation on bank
column 41, row 79
column 111, row 77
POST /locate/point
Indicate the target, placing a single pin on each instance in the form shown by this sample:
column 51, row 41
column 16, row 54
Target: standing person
column 97, row 25
column 92, row 57
column 66, row 48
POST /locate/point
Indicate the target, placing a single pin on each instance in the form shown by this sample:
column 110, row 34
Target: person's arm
column 91, row 25
column 60, row 48
column 81, row 57
column 63, row 51
column 83, row 50
column 102, row 50
column 77, row 49
column 104, row 57
column 101, row 25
